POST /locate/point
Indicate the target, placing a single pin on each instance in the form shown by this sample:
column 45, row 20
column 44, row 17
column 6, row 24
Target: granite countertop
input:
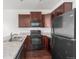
column 10, row 49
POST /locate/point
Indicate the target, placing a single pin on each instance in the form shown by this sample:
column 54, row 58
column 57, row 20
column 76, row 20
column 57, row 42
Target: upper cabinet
column 65, row 7
column 24, row 20
column 37, row 16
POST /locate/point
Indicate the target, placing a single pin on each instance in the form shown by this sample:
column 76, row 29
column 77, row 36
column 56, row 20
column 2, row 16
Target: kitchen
column 22, row 24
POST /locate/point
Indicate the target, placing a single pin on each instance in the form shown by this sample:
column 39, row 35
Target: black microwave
column 35, row 24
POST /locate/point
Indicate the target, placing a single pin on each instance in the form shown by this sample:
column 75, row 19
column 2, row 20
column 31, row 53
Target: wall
column 48, row 20
column 10, row 24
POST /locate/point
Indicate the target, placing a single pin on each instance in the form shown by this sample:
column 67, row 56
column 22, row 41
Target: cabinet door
column 28, row 43
column 24, row 20
column 67, row 6
column 45, row 42
column 43, row 20
column 37, row 16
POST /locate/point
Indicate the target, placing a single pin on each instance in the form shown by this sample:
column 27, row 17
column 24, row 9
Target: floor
column 37, row 54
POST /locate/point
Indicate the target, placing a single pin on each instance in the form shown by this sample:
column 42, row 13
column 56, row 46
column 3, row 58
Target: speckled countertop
column 10, row 49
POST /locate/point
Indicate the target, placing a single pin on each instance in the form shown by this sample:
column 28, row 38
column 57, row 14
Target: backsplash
column 44, row 31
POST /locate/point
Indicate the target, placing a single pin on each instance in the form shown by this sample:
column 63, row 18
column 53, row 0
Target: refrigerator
column 64, row 36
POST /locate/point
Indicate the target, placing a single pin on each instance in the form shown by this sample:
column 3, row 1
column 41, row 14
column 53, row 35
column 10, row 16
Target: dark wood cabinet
column 28, row 43
column 43, row 19
column 65, row 7
column 24, row 20
column 37, row 16
column 27, row 46
column 45, row 41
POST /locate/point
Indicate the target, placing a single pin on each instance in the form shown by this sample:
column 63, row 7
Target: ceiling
column 30, row 4
column 45, row 6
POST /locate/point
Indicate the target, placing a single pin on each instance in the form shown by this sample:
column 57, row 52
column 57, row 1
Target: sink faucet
column 11, row 35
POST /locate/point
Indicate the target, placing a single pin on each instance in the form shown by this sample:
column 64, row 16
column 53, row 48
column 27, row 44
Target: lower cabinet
column 27, row 46
column 64, row 48
column 20, row 53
